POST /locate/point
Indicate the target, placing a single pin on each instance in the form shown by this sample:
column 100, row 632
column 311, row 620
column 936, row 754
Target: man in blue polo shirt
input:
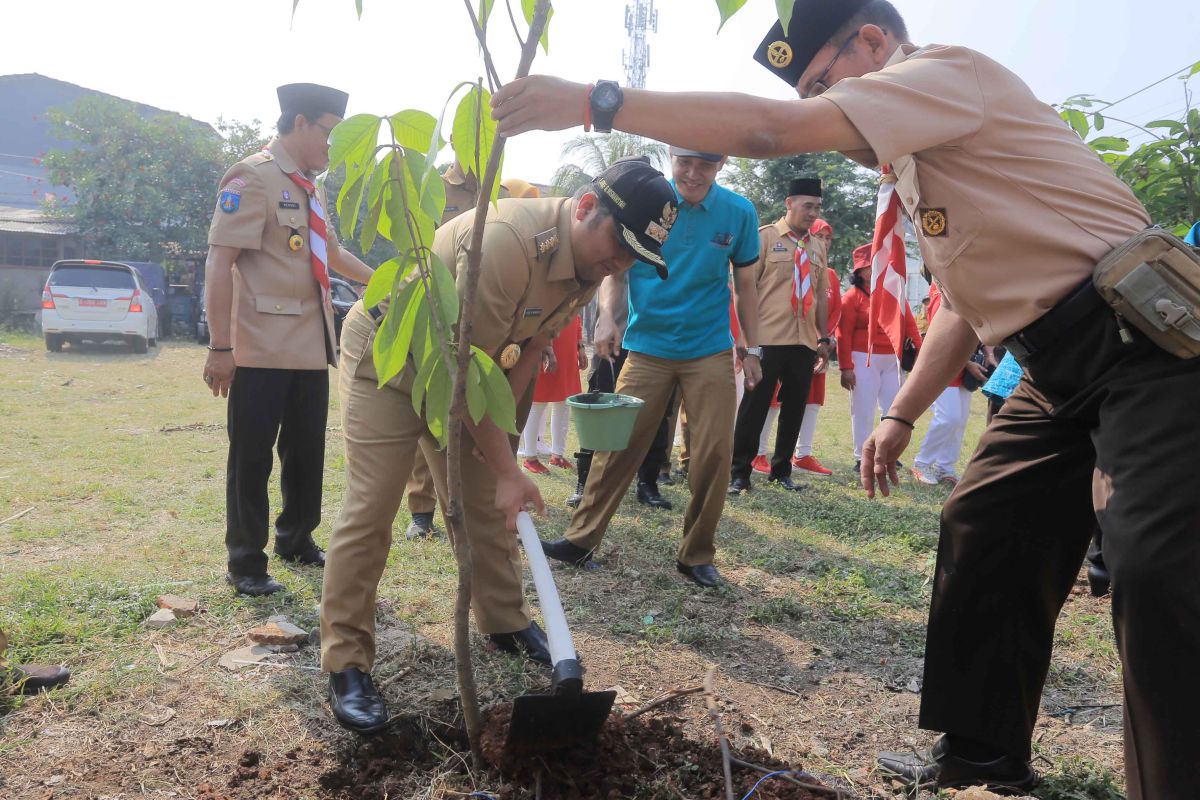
column 678, row 339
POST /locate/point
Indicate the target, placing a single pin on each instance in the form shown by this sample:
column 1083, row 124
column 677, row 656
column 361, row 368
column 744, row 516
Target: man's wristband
column 901, row 420
column 824, row 340
column 212, row 349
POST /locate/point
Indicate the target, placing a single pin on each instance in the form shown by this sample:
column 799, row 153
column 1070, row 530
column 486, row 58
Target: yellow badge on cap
column 779, row 54
column 509, row 356
column 296, row 242
column 933, row 221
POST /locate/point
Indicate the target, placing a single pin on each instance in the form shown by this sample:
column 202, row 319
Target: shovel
column 568, row 715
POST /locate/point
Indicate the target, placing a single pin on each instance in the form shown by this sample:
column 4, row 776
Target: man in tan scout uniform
column 271, row 332
column 542, row 261
column 1013, row 212
column 793, row 313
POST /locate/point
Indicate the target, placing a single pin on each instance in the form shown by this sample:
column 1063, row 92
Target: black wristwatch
column 605, row 101
column 824, row 340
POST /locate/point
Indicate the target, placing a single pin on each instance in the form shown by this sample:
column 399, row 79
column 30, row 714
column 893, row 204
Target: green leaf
column 385, row 278
column 528, row 7
column 414, row 130
column 389, row 360
column 1098, row 121
column 421, row 383
column 349, row 202
column 430, row 189
column 445, row 293
column 1195, row 69
column 728, row 8
column 474, row 131
column 476, row 396
column 485, row 11
column 784, row 8
column 402, row 221
column 1109, row 143
column 437, row 402
column 356, row 136
column 358, row 7
column 1078, row 120
column 501, row 407
column 1175, row 126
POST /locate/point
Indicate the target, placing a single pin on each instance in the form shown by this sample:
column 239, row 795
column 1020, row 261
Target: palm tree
column 596, row 153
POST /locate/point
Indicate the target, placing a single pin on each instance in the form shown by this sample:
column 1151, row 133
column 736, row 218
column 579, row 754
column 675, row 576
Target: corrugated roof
column 32, row 220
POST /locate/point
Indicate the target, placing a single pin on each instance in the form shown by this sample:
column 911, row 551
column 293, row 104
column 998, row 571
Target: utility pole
column 640, row 18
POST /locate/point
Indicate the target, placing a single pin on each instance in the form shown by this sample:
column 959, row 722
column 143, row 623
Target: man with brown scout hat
column 542, row 261
column 793, row 313
column 1013, row 214
column 270, row 319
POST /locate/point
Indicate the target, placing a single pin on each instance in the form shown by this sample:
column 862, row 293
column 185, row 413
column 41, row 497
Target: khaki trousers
column 382, row 436
column 707, row 390
column 420, row 490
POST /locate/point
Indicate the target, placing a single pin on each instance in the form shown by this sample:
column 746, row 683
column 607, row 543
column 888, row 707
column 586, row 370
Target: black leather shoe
column 786, row 482
column 253, row 585
column 939, row 768
column 356, row 703
column 666, row 478
column 739, row 486
column 531, row 643
column 34, row 678
column 1098, row 580
column 704, row 574
column 421, row 526
column 647, row 495
column 312, row 556
column 567, row 552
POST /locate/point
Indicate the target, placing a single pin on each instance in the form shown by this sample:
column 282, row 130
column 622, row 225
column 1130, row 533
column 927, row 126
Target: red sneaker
column 535, row 466
column 761, row 464
column 810, row 464
column 561, row 462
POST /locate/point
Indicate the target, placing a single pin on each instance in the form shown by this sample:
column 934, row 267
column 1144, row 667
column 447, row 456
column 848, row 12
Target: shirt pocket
column 293, row 221
column 946, row 221
column 275, row 304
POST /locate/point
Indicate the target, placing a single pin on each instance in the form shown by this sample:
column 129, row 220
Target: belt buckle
column 1019, row 346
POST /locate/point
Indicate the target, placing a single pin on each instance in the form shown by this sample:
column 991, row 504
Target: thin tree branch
column 513, row 20
column 481, row 34
column 710, row 700
column 662, row 699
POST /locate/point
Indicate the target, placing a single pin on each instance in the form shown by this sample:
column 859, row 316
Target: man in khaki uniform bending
column 266, row 293
column 542, row 262
column 1013, row 212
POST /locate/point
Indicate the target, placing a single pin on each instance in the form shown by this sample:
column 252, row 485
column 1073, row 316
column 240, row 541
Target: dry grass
column 818, row 637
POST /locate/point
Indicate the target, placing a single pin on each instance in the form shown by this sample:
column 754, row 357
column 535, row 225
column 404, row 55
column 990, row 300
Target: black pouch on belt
column 1153, row 281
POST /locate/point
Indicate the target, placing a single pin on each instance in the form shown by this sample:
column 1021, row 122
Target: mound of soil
column 628, row 758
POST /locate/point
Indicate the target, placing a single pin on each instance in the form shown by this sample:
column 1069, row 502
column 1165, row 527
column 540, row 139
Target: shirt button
column 292, row 220
column 908, row 201
column 278, row 307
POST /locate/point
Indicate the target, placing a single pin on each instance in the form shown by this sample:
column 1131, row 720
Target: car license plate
column 89, row 303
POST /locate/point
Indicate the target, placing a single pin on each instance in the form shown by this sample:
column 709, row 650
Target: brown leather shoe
column 34, row 678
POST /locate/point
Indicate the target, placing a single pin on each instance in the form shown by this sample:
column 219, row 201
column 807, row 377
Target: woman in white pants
column 872, row 386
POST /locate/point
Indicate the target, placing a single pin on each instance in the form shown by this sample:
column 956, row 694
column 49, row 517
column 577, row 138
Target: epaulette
column 547, row 242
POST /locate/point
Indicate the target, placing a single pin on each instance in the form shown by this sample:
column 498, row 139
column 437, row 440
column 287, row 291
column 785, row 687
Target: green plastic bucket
column 604, row 421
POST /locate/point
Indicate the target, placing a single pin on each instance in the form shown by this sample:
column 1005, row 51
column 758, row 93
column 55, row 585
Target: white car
column 96, row 301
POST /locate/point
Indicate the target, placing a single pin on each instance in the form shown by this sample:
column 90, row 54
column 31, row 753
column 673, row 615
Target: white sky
column 206, row 58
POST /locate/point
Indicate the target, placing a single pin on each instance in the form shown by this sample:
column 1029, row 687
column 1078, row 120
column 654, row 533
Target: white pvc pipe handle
column 561, row 646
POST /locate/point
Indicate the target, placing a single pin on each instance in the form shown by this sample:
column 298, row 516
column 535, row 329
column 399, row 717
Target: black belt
column 1047, row 329
column 376, row 312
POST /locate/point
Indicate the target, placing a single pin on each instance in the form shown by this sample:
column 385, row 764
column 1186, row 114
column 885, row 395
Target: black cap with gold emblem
column 643, row 206
column 813, row 23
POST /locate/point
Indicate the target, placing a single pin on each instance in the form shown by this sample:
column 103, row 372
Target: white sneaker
column 945, row 475
column 924, row 474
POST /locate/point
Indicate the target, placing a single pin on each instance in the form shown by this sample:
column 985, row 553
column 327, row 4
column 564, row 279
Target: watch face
column 605, row 97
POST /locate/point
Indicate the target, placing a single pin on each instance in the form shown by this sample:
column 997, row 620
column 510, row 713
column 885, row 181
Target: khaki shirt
column 462, row 192
column 527, row 283
column 774, row 275
column 279, row 319
column 1012, row 209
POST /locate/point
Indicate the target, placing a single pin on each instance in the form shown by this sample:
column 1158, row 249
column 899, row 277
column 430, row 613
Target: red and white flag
column 889, row 266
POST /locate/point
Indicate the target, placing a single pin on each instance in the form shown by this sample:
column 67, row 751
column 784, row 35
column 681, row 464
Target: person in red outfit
column 558, row 380
column 804, row 460
column 872, row 382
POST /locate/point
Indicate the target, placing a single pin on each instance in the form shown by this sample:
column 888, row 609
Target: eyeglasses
column 818, row 87
column 328, row 130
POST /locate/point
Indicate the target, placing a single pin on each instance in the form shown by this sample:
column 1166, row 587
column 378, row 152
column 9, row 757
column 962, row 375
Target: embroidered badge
column 723, row 239
column 509, row 356
column 532, row 312
column 670, row 213
column 230, row 201
column 779, row 247
column 285, row 194
column 293, row 204
column 546, row 242
column 657, row 232
column 779, row 54
column 235, row 183
column 933, row 221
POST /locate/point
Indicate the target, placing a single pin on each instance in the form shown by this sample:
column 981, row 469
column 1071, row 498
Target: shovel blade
column 542, row 722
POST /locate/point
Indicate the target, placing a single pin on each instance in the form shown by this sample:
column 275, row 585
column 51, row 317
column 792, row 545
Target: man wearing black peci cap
column 270, row 320
column 792, row 279
column 1013, row 213
column 542, row 261
column 678, row 340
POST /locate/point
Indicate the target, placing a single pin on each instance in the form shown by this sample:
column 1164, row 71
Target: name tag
column 532, row 312
column 285, row 204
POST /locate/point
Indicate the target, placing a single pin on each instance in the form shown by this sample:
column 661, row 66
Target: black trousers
column 265, row 405
column 791, row 366
column 603, row 378
column 1098, row 432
